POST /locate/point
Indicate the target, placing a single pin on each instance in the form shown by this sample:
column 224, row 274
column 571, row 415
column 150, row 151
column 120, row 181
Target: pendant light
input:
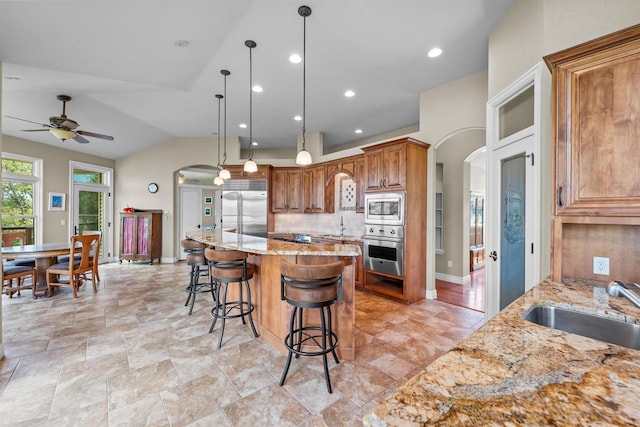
column 250, row 165
column 304, row 157
column 218, row 180
column 224, row 173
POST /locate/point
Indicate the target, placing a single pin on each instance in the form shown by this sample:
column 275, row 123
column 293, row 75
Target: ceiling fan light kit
column 63, row 127
column 304, row 157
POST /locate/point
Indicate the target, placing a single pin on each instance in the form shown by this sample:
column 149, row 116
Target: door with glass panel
column 90, row 213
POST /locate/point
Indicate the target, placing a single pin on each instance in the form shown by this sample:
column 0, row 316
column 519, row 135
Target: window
column 21, row 196
column 439, row 224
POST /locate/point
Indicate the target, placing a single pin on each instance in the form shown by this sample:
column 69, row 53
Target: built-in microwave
column 384, row 208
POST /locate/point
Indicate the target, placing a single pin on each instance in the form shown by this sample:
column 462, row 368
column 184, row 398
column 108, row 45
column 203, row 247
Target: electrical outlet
column 601, row 265
column 449, row 263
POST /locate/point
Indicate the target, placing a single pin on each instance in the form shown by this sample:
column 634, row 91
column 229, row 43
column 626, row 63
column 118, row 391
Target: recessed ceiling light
column 257, row 88
column 297, row 118
column 254, row 143
column 181, row 43
column 358, row 130
column 435, row 52
column 242, row 125
column 295, row 58
column 349, row 93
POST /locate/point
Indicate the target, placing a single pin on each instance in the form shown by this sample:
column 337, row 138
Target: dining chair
column 95, row 254
column 75, row 270
column 17, row 273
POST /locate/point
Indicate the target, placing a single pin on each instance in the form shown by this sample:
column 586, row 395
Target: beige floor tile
column 131, row 355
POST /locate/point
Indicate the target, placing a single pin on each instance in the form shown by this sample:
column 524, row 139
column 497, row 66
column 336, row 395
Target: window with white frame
column 21, row 196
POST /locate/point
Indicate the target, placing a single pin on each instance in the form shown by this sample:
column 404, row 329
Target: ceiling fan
column 63, row 127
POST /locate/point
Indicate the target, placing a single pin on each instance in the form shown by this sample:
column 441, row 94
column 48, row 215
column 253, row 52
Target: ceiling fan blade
column 95, row 135
column 69, row 124
column 34, row 130
column 28, row 121
column 81, row 140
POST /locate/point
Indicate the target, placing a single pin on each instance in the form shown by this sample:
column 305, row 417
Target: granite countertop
column 321, row 235
column 515, row 372
column 262, row 246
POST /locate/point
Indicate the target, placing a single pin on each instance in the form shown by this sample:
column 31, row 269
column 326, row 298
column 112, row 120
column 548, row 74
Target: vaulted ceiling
column 121, row 63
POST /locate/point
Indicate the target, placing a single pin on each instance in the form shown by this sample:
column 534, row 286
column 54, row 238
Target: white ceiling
column 119, row 63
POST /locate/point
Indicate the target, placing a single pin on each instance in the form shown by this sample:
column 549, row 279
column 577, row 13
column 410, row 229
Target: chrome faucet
column 619, row 289
column 342, row 226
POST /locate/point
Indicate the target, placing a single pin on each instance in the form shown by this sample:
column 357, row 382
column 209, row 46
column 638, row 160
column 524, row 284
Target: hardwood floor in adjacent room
column 471, row 295
column 132, row 355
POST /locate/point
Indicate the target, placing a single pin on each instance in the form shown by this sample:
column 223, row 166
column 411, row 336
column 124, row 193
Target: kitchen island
column 514, row 372
column 272, row 314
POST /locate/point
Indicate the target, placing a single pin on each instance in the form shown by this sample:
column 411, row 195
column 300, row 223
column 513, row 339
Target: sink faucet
column 619, row 289
column 341, row 226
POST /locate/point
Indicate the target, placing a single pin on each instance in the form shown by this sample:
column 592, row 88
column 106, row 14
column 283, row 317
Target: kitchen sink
column 613, row 331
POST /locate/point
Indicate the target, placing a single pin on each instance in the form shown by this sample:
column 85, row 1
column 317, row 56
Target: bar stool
column 199, row 267
column 311, row 286
column 228, row 266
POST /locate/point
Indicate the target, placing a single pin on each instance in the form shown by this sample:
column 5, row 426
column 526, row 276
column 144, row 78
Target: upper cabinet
column 286, row 190
column 359, row 175
column 385, row 166
column 596, row 103
column 316, row 197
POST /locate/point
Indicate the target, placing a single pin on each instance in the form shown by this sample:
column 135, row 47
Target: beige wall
column 55, row 170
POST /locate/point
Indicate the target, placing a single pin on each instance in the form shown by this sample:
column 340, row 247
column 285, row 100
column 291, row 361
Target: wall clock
column 153, row 187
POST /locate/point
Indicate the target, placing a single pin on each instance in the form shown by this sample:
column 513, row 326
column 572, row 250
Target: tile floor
column 131, row 355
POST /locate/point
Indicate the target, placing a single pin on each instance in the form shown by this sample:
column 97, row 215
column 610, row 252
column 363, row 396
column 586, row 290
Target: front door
column 190, row 213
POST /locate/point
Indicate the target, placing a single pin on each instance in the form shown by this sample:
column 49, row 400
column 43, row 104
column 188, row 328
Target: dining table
column 45, row 255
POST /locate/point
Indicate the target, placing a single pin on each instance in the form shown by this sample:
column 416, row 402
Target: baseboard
column 454, row 279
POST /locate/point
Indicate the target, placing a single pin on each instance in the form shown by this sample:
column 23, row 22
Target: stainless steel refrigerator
column 244, row 206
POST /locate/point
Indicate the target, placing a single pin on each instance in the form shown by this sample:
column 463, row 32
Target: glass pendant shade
column 218, row 180
column 224, row 173
column 250, row 166
column 303, row 157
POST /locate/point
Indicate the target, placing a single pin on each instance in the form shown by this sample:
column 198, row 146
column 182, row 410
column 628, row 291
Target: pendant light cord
column 225, row 73
column 304, row 80
column 219, row 98
column 250, row 103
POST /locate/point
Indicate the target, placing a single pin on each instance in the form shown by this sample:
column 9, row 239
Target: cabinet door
column 394, row 165
column 373, row 170
column 295, row 191
column 598, row 128
column 314, row 189
column 360, row 184
column 127, row 235
column 279, row 190
column 143, row 237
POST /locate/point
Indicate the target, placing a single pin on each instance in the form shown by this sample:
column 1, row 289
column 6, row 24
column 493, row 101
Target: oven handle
column 383, row 239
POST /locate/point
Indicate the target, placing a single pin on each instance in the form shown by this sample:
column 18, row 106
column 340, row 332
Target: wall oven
column 384, row 248
column 384, row 208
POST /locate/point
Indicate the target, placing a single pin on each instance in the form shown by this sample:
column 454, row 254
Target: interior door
column 511, row 239
column 190, row 213
column 90, row 209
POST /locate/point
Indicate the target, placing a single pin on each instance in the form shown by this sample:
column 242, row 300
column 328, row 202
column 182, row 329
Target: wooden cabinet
column 398, row 160
column 237, row 172
column 287, row 190
column 596, row 178
column 359, row 267
column 597, row 103
column 385, row 167
column 314, row 190
column 141, row 236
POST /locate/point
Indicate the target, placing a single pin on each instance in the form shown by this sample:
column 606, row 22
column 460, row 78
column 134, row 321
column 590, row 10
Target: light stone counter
column 513, row 372
column 262, row 246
